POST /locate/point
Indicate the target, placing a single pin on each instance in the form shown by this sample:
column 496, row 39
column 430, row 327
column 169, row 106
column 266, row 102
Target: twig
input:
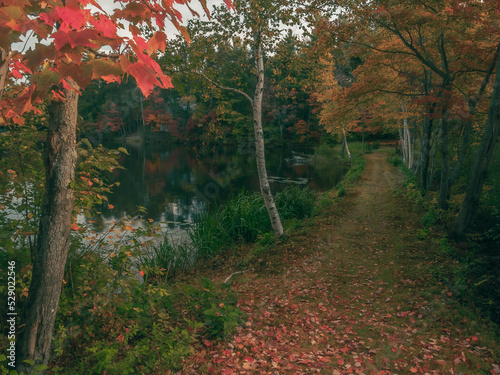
column 234, row 273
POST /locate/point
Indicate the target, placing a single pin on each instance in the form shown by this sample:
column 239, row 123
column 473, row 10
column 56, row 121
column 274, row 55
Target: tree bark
column 473, row 103
column 481, row 163
column 345, row 146
column 49, row 257
column 4, row 69
column 259, row 144
column 444, row 186
column 363, row 134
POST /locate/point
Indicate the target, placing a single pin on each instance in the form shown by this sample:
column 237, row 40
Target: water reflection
column 176, row 184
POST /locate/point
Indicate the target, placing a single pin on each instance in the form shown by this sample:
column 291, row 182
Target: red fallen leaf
column 340, row 362
column 141, row 273
column 474, row 338
column 75, row 227
column 207, row 343
column 110, row 206
column 120, row 337
column 249, row 359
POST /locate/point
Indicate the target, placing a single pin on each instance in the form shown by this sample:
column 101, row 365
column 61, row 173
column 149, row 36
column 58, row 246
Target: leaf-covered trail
column 362, row 301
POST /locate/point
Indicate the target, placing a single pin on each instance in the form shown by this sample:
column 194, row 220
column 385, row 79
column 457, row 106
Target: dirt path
column 363, row 301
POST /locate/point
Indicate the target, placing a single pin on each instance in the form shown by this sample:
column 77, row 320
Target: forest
column 249, row 186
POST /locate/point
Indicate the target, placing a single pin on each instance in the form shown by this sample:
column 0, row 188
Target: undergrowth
column 139, row 328
column 243, row 219
column 471, row 269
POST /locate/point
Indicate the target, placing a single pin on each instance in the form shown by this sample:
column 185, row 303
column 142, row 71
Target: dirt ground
column 352, row 291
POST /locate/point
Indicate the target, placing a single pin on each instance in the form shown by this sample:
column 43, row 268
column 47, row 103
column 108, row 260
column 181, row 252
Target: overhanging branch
column 224, row 87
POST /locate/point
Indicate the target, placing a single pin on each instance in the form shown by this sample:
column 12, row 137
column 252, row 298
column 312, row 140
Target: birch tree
column 257, row 25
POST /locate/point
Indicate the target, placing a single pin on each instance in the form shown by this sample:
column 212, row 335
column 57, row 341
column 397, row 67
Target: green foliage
column 396, row 160
column 21, row 186
column 166, row 259
column 480, row 266
column 267, row 239
column 327, row 151
column 221, row 320
column 91, row 188
column 474, row 274
column 113, row 322
column 324, row 200
column 295, row 202
column 356, row 169
column 340, row 189
column 214, row 306
column 430, row 218
column 242, row 219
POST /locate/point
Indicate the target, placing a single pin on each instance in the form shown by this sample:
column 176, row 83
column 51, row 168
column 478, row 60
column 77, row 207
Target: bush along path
column 353, row 291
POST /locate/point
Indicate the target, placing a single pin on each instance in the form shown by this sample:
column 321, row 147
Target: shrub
column 295, row 202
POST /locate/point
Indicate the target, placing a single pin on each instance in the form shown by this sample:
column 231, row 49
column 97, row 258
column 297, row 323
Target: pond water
column 176, row 183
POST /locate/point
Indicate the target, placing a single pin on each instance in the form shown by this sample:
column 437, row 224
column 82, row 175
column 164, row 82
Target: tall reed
column 243, row 218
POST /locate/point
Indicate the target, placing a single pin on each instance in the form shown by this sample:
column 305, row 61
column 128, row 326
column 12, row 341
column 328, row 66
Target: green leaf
column 41, row 367
column 123, row 150
column 87, row 143
column 29, row 362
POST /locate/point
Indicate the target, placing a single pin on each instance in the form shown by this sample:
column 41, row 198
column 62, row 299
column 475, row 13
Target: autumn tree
column 86, row 46
column 442, row 53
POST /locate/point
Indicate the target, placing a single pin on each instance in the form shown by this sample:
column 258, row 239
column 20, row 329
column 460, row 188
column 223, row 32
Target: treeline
column 196, row 110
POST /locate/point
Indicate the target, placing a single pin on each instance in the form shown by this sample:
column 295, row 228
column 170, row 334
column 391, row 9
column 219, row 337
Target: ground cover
column 354, row 290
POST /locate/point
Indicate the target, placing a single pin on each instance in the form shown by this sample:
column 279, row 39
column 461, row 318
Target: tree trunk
column 363, row 135
column 52, row 246
column 433, row 152
column 444, row 186
column 4, row 69
column 481, row 162
column 407, row 137
column 473, row 103
column 425, row 154
column 259, row 145
column 426, row 135
column 403, row 146
column 346, row 146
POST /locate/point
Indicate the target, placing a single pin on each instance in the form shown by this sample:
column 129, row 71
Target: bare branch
column 224, row 87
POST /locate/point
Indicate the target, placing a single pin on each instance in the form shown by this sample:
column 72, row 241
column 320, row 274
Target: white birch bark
column 259, row 145
column 346, row 146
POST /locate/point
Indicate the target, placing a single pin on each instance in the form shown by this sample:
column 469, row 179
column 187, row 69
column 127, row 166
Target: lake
column 176, row 183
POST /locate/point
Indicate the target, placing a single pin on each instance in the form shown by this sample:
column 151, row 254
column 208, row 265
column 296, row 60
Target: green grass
column 243, row 219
